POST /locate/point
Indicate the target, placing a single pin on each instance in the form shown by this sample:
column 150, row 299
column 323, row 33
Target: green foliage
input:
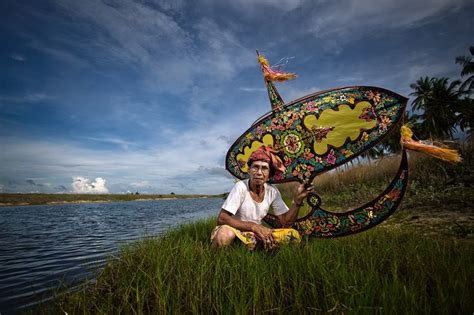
column 465, row 116
column 378, row 271
column 442, row 105
column 431, row 182
column 467, row 64
column 437, row 99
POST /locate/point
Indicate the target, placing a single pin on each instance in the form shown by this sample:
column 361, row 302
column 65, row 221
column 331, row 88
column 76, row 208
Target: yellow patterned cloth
column 281, row 236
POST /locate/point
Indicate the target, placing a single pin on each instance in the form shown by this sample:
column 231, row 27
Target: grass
column 382, row 270
column 421, row 260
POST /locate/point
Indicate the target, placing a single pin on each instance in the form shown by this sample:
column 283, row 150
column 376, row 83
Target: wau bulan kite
column 324, row 130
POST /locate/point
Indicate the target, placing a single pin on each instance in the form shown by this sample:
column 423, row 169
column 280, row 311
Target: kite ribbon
column 446, row 154
column 273, row 74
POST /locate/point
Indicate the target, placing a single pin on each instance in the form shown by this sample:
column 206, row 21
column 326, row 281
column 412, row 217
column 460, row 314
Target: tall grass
column 383, row 270
column 380, row 271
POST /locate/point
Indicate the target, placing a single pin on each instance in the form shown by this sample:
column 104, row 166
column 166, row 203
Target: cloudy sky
column 122, row 95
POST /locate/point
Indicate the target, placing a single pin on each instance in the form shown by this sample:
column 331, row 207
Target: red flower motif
column 278, row 176
column 291, row 143
column 331, row 159
column 307, row 155
column 375, row 97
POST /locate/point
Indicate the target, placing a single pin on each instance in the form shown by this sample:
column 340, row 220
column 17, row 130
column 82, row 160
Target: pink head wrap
column 267, row 154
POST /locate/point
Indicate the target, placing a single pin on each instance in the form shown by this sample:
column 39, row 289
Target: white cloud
column 195, row 156
column 291, row 93
column 196, row 57
column 252, row 6
column 344, row 18
column 423, row 69
column 18, row 57
column 112, row 140
column 284, row 5
column 224, row 55
column 62, row 54
column 169, row 57
column 140, row 184
column 82, row 185
column 252, row 89
column 27, row 98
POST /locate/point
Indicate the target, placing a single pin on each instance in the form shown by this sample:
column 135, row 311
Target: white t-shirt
column 240, row 203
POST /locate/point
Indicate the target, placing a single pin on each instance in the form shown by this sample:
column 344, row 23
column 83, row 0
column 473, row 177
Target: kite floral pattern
column 310, row 135
column 317, row 133
column 323, row 223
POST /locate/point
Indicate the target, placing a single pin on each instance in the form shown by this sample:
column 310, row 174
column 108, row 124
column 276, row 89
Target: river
column 43, row 247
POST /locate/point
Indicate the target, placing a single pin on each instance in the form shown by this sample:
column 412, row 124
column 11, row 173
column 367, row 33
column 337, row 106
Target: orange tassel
column 271, row 74
column 443, row 153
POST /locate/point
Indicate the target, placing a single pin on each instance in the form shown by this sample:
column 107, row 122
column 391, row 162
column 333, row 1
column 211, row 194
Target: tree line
column 440, row 107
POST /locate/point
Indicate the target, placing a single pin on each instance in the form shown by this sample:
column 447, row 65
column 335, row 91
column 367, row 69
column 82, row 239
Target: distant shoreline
column 8, row 200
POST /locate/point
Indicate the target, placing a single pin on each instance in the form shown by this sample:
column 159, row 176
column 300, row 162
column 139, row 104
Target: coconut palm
column 437, row 100
column 465, row 116
column 467, row 64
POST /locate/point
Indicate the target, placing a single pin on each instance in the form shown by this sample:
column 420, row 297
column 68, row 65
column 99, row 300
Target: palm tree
column 467, row 64
column 465, row 111
column 465, row 115
column 437, row 101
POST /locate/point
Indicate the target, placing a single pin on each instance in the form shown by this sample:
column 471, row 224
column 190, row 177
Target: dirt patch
column 431, row 221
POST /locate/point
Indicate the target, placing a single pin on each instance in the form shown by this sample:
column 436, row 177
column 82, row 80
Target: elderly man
column 249, row 202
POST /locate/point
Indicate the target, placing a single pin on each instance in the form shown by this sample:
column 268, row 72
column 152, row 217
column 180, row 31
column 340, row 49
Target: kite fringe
column 442, row 153
column 274, row 74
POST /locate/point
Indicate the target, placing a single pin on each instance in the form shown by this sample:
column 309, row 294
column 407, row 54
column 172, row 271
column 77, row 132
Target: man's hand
column 264, row 234
column 301, row 193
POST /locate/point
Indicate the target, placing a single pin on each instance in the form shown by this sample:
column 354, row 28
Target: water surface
column 44, row 246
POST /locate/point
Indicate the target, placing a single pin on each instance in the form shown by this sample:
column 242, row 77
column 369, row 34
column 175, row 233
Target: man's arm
column 288, row 218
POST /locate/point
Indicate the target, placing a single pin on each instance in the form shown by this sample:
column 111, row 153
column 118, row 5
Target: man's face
column 259, row 172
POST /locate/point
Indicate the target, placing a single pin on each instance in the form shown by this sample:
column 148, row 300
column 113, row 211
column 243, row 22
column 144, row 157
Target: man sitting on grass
column 249, row 202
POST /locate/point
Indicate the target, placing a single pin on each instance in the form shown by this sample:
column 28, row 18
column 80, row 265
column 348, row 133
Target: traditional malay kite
column 321, row 131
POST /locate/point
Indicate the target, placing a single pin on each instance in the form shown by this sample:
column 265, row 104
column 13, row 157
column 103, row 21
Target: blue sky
column 121, row 95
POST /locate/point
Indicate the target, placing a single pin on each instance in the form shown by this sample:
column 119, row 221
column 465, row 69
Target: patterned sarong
column 249, row 239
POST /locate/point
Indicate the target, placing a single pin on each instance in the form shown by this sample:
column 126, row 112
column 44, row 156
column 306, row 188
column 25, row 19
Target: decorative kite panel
column 320, row 131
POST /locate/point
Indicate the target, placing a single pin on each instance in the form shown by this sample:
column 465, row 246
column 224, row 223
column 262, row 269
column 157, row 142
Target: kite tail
column 273, row 74
column 443, row 153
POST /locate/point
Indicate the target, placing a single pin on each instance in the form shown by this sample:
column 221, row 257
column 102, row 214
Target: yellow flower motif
column 327, row 99
column 249, row 136
column 370, row 214
column 348, row 153
column 365, row 136
column 351, row 100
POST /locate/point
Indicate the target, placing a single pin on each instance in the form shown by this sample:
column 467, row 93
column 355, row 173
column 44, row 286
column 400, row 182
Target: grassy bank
column 382, row 270
column 421, row 260
column 41, row 199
